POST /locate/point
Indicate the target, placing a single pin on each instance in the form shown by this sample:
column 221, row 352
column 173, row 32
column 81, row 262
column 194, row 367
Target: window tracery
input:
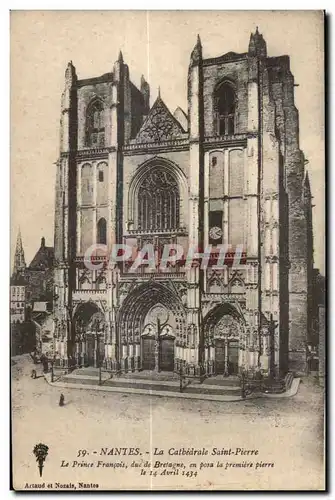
column 95, row 125
column 225, row 104
column 158, row 201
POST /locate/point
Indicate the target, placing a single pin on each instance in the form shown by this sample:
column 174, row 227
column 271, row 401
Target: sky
column 156, row 44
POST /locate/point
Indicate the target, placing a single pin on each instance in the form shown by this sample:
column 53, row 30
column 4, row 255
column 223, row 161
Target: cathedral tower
column 229, row 173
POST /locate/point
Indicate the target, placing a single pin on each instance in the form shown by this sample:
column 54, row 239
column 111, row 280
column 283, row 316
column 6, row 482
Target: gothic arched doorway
column 223, row 327
column 90, row 327
column 150, row 323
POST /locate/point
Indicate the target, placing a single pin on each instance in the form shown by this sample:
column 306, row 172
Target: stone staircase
column 167, row 384
column 158, row 382
column 279, row 386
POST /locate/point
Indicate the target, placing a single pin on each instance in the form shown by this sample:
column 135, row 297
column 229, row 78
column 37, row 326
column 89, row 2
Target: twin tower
column 227, row 171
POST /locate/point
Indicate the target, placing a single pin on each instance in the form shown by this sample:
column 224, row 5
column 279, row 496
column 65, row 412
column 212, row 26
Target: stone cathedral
column 227, row 171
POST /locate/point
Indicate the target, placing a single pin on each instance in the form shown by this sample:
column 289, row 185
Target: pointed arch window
column 102, row 232
column 95, row 125
column 225, row 108
column 158, row 202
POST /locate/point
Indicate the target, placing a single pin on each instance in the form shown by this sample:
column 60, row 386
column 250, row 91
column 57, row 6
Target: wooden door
column 90, row 346
column 233, row 357
column 167, row 354
column 148, row 353
column 219, row 356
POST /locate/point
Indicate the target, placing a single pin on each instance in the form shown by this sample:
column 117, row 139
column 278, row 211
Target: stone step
column 154, row 385
column 153, row 377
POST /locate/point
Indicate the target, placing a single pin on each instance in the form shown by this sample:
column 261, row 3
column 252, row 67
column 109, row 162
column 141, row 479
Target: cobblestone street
column 287, row 432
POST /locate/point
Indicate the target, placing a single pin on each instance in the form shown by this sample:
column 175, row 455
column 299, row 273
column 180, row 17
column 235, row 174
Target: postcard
column 167, row 292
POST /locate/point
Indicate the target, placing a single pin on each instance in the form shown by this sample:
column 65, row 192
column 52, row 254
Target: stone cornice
column 224, row 141
column 230, row 56
column 237, row 140
column 144, row 277
column 224, row 297
column 131, row 233
column 94, row 153
column 156, row 147
column 91, row 205
column 107, row 77
column 89, row 153
column 87, row 295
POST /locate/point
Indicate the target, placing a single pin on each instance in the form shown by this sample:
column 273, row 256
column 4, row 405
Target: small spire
column 196, row 54
column 142, row 79
column 257, row 44
column 159, row 92
column 120, row 58
column 19, row 260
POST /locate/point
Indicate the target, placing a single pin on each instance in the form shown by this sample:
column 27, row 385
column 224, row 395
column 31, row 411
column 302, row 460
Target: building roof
column 43, row 259
column 40, row 307
column 181, row 117
column 42, row 319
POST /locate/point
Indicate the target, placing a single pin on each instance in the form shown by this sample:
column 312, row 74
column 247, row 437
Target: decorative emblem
column 159, row 125
column 40, row 451
column 215, row 233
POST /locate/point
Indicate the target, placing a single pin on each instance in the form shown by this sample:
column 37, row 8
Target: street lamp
column 243, row 384
column 97, row 325
column 79, row 337
column 70, row 319
column 53, row 359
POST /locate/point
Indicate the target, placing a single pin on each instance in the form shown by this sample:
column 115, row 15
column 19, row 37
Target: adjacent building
column 17, row 299
column 31, row 284
column 18, row 284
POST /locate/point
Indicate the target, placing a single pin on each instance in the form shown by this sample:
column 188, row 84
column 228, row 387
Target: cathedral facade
column 228, row 171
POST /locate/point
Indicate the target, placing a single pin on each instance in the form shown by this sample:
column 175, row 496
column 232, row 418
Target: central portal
column 150, row 321
column 158, row 340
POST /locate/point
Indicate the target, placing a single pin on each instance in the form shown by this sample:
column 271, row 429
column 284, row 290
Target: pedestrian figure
column 181, row 379
column 33, row 374
column 61, row 400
